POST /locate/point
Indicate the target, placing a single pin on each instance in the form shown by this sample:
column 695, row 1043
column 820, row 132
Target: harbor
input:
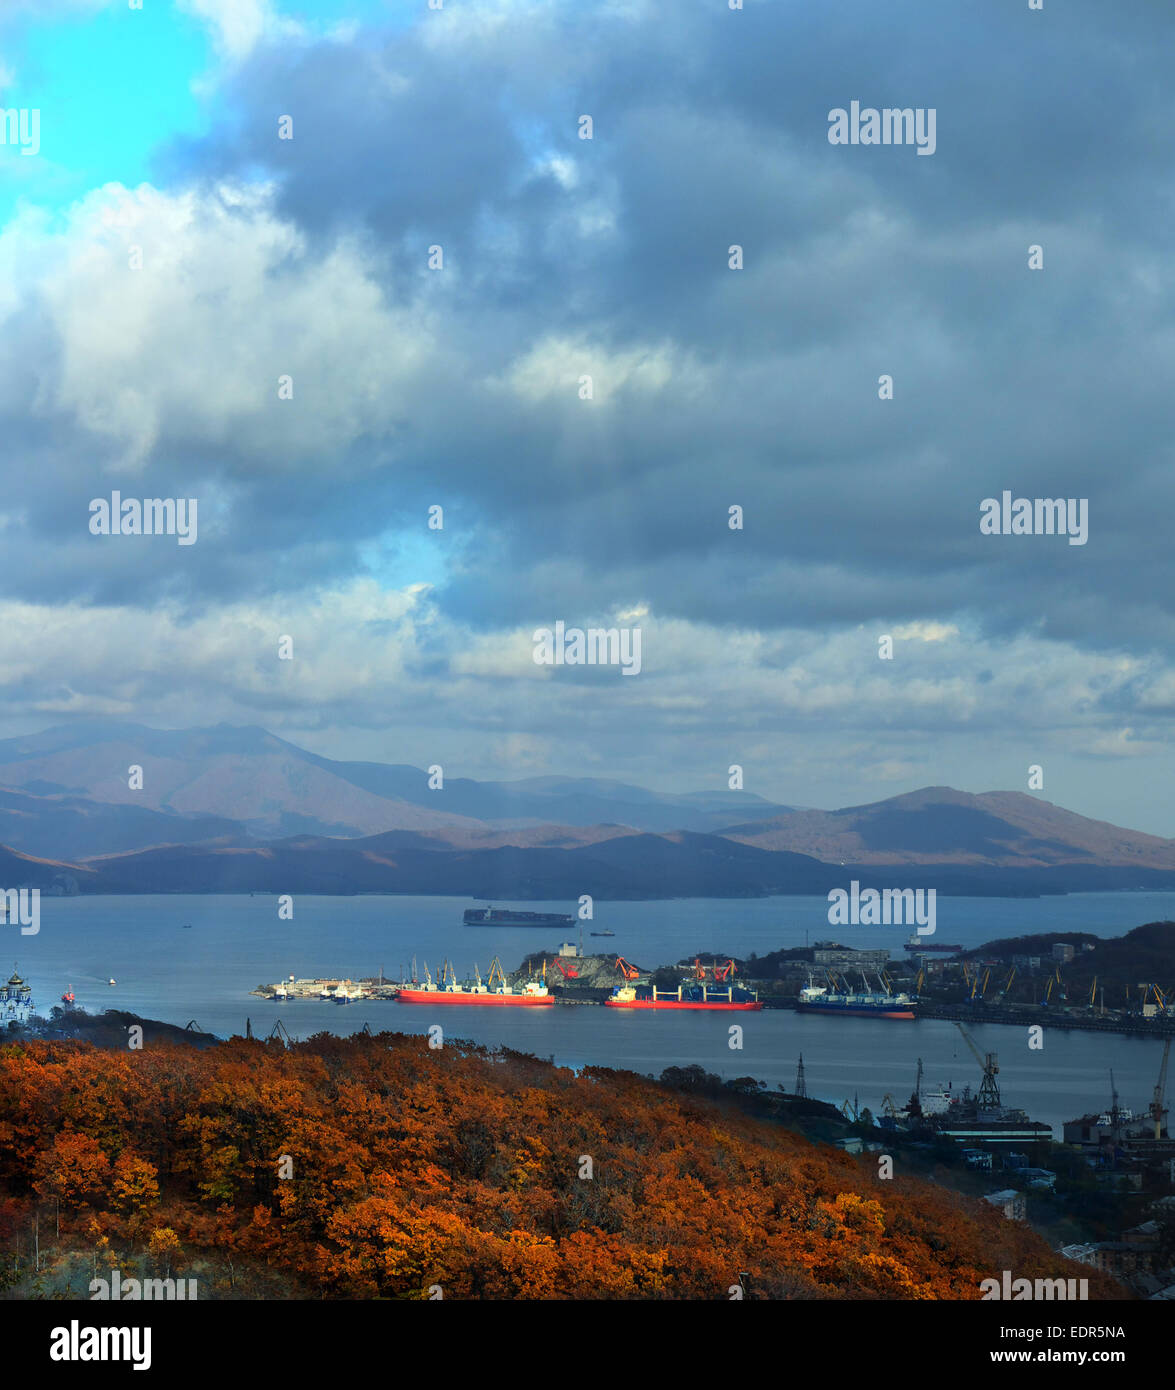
column 167, row 975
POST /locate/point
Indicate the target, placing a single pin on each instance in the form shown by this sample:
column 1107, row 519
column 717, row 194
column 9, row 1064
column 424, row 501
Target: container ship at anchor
column 510, row 917
column 722, row 995
column 496, row 990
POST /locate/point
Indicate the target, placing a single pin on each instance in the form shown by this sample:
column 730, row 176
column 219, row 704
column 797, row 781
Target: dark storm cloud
column 710, row 130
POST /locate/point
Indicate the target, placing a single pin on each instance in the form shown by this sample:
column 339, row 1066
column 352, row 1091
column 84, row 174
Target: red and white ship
column 496, row 991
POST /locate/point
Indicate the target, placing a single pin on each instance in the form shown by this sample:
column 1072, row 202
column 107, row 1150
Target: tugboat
column 68, row 997
column 495, row 991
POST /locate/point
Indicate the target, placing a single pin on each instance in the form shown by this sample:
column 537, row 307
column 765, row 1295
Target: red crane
column 725, row 972
column 569, row 972
column 630, row 972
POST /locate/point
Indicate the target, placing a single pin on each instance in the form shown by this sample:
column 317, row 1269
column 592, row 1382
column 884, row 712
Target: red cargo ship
column 683, row 997
column 495, row 992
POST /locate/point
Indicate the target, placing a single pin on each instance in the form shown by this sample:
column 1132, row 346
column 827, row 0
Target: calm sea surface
column 237, row 943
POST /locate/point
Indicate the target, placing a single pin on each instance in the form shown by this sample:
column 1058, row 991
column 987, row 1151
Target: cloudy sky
column 563, row 258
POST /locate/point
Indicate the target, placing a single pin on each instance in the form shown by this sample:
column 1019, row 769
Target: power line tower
column 801, row 1085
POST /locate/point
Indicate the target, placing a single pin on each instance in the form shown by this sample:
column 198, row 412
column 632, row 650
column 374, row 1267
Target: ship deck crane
column 722, row 973
column 989, row 1090
column 1157, row 1108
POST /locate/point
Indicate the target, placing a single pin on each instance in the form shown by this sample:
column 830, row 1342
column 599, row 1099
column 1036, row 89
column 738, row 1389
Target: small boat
column 111, row 981
column 603, row 933
column 187, row 926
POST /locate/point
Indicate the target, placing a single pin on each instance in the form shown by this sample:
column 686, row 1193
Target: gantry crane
column 1156, row 1107
column 989, row 1091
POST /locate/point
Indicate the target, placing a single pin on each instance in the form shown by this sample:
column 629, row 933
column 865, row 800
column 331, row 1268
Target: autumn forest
column 376, row 1167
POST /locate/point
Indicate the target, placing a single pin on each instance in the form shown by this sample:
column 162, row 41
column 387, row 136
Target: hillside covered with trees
column 377, row 1167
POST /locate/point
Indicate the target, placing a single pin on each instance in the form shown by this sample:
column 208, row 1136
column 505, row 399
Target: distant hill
column 255, row 784
column 73, row 827
column 1118, row 964
column 228, row 809
column 49, row 875
column 939, row 825
column 626, row 866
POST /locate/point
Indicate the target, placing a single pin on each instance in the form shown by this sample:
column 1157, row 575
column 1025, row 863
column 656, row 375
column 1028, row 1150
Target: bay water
column 237, row 942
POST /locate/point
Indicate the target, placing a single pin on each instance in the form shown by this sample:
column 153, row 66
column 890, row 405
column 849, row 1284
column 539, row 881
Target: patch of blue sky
column 109, row 87
column 399, row 558
column 115, row 85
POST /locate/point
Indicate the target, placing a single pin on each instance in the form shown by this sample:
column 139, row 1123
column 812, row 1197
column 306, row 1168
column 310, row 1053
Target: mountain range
column 231, row 809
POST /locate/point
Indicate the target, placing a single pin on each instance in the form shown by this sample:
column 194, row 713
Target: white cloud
column 190, row 347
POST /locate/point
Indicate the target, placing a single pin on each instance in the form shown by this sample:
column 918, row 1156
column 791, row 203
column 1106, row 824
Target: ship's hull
column 856, row 1011
column 440, row 996
column 474, row 917
column 711, row 1005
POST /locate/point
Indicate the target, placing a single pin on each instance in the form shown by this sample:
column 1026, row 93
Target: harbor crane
column 629, row 971
column 1156, row 1107
column 280, row 1032
column 989, row 1090
column 567, row 970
